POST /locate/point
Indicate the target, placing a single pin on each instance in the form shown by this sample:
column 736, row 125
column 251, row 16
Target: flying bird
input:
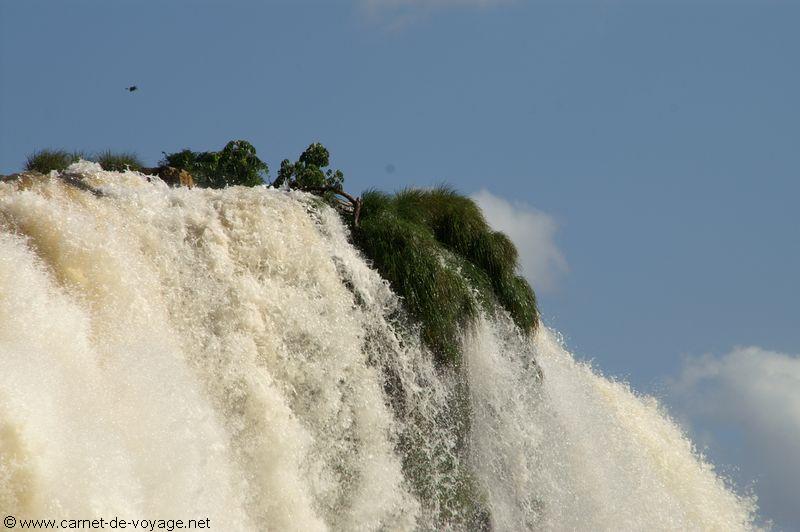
column 132, row 88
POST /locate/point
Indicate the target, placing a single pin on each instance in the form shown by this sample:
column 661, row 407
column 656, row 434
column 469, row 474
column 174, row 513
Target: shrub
column 440, row 255
column 118, row 162
column 44, row 161
column 236, row 164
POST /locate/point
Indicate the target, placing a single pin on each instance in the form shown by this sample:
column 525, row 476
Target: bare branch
column 354, row 202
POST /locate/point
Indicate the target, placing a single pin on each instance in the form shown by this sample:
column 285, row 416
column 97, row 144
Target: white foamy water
column 175, row 353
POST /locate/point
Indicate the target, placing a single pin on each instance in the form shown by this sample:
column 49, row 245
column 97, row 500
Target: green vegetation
column 118, row 162
column 440, row 255
column 236, row 164
column 46, row 160
column 307, row 173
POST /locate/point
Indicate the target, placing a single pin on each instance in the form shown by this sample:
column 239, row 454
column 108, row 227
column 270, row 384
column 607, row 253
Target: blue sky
column 652, row 146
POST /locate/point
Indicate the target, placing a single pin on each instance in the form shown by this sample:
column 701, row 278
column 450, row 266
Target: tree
column 307, row 173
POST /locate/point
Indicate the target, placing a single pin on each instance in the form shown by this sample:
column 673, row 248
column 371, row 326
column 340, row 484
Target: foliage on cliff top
column 236, row 164
column 44, row 161
column 118, row 161
column 440, row 255
column 307, row 172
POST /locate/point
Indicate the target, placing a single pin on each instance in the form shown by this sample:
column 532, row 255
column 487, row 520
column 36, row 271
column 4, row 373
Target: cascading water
column 176, row 353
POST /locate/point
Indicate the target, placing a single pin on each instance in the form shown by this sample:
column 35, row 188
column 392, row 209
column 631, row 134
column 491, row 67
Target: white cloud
column 756, row 393
column 532, row 231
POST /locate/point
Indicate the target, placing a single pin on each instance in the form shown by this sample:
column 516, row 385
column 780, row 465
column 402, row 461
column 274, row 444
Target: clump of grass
column 406, row 254
column 118, row 161
column 44, row 161
column 440, row 255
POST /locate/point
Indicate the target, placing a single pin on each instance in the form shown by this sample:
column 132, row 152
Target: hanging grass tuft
column 440, row 255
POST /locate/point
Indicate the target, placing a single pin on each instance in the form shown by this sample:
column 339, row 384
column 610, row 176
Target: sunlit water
column 177, row 353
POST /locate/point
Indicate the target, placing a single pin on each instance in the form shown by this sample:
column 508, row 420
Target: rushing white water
column 175, row 354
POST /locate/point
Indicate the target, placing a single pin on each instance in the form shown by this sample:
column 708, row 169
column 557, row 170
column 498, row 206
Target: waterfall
column 174, row 353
